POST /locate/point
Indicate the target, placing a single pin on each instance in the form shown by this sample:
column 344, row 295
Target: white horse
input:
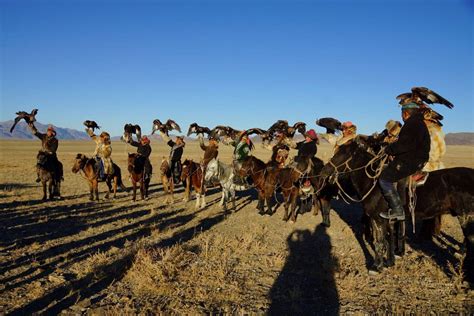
column 225, row 175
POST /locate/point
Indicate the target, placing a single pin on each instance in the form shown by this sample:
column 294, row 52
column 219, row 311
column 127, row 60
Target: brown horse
column 167, row 180
column 49, row 172
column 89, row 168
column 136, row 168
column 266, row 179
column 192, row 175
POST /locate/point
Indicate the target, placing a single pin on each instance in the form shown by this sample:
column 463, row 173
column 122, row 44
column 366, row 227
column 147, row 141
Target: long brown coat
column 210, row 151
column 49, row 144
column 103, row 150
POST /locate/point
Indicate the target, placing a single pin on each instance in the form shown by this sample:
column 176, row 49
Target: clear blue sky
column 241, row 63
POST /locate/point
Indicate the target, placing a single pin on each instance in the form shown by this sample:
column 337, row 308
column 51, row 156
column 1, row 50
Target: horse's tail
column 118, row 174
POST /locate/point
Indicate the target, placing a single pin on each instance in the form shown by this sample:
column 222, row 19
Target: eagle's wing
column 430, row 97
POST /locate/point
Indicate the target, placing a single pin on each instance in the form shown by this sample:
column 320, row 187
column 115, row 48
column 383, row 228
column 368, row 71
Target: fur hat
column 51, row 129
column 312, row 134
column 145, row 139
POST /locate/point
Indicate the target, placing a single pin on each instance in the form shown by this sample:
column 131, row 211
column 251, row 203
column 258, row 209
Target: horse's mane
column 257, row 161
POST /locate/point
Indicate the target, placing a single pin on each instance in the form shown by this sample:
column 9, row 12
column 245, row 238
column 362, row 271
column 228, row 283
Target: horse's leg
column 325, row 211
column 164, row 182
column 96, row 189
column 134, row 186
column 198, row 200
column 316, row 205
column 379, row 244
column 172, row 189
column 391, row 244
column 108, row 181
column 50, row 189
column 115, row 186
column 147, row 185
column 233, row 199
column 223, row 202
column 399, row 238
column 91, row 190
column 45, row 197
column 187, row 190
column 203, row 200
column 467, row 226
column 292, row 200
column 142, row 187
column 286, row 204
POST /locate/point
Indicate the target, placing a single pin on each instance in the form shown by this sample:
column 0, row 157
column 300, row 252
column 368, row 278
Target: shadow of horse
column 306, row 285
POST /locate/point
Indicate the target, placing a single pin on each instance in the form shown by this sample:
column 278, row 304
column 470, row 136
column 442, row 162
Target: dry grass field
column 116, row 257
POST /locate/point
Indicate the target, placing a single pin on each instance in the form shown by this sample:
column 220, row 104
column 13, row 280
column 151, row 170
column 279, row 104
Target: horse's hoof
column 373, row 272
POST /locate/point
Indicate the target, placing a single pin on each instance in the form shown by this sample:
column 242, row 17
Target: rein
column 381, row 156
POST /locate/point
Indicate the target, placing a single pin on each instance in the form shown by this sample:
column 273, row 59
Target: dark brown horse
column 446, row 191
column 267, row 178
column 89, row 169
column 136, row 168
column 49, row 173
column 191, row 174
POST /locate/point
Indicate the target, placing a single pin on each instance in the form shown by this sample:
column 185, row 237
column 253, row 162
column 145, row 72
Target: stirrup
column 391, row 216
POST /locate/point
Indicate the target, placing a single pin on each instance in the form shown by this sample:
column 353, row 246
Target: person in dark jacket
column 177, row 148
column 307, row 148
column 144, row 152
column 49, row 146
column 410, row 152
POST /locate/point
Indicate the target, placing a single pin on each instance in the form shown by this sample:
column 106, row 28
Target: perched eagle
column 419, row 95
column 196, row 129
column 28, row 117
column 424, row 96
column 330, row 124
column 165, row 128
column 91, row 124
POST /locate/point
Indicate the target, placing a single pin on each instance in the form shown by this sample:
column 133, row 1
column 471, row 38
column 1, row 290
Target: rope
column 412, row 200
column 377, row 171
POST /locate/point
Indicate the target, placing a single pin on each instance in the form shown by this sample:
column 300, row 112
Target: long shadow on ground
column 306, row 285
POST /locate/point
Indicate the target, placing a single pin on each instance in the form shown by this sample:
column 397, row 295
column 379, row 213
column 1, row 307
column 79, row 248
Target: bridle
column 375, row 165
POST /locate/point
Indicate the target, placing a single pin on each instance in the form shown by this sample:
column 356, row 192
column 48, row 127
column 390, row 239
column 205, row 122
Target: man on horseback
column 210, row 152
column 349, row 132
column 144, row 152
column 49, row 146
column 177, row 148
column 242, row 149
column 280, row 151
column 410, row 152
column 102, row 153
column 307, row 148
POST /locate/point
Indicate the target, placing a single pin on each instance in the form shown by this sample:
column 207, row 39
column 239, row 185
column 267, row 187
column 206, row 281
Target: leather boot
column 395, row 211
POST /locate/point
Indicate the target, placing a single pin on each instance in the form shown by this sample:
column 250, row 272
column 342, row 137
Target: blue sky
column 239, row 63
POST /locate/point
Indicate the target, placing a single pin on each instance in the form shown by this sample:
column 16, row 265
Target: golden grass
column 212, row 262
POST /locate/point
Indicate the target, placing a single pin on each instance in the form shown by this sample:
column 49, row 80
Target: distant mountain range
column 22, row 131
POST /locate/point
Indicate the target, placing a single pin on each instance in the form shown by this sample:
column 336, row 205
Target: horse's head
column 131, row 158
column 186, row 169
column 351, row 155
column 79, row 163
column 212, row 170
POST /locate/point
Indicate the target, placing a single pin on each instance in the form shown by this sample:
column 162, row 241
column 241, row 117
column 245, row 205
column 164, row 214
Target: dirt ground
column 117, row 257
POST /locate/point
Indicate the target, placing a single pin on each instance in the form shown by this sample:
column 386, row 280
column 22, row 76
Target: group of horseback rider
column 417, row 144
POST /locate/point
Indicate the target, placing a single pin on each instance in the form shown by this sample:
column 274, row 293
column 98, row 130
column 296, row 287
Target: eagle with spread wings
column 165, row 128
column 424, row 96
column 28, row 117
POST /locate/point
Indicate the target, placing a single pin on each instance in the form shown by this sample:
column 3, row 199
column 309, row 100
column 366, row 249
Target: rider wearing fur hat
column 349, row 132
column 143, row 150
column 49, row 146
column 177, row 148
column 102, row 152
column 280, row 150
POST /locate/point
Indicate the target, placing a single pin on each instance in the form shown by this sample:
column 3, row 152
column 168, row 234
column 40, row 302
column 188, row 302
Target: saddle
column 407, row 190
